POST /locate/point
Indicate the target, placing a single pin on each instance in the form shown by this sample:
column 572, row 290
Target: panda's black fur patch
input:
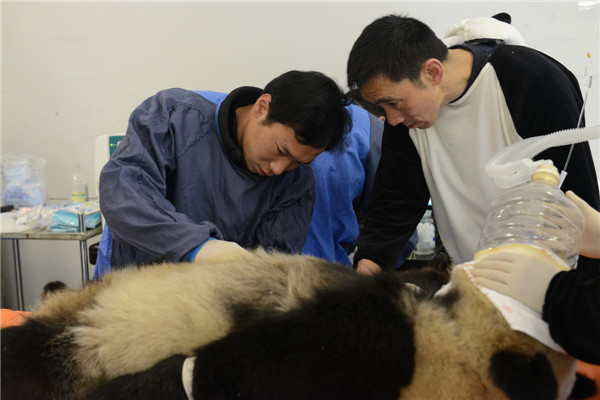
column 28, row 357
column 523, row 378
column 346, row 343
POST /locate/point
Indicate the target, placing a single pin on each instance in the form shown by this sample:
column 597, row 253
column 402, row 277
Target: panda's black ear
column 52, row 287
column 503, row 17
column 521, row 376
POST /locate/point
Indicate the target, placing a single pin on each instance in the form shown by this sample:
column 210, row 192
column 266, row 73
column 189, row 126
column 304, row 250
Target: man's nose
column 280, row 165
column 395, row 118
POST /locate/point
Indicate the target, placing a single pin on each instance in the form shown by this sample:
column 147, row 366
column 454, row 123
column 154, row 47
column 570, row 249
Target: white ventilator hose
column 513, row 165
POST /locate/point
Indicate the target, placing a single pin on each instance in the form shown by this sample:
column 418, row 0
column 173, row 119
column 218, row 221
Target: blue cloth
column 343, row 183
column 104, row 253
column 176, row 179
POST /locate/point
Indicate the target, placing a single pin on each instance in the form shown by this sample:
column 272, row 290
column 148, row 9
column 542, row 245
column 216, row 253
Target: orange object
column 12, row 317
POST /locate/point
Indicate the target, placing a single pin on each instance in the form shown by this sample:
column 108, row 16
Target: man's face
column 404, row 102
column 273, row 149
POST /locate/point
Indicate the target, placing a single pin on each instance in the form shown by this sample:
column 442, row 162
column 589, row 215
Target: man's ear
column 261, row 106
column 433, row 71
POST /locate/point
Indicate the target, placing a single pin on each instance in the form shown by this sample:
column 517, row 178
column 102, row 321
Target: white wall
column 72, row 71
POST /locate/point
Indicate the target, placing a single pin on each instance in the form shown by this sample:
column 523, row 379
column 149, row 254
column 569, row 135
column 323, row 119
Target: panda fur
column 273, row 326
column 133, row 318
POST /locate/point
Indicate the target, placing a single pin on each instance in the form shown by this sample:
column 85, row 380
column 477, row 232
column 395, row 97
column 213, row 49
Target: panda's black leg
column 349, row 343
column 163, row 381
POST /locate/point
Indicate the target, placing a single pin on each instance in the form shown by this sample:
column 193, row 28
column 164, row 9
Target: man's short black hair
column 313, row 105
column 394, row 47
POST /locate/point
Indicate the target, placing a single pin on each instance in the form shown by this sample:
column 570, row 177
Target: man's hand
column 521, row 277
column 367, row 267
column 590, row 242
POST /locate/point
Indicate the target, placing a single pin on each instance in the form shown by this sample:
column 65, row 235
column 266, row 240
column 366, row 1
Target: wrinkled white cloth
column 482, row 28
column 518, row 316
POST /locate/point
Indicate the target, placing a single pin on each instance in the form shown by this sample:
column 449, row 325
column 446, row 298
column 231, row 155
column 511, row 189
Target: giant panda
column 273, row 326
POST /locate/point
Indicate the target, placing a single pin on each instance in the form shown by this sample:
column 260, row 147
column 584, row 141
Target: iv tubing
column 587, row 76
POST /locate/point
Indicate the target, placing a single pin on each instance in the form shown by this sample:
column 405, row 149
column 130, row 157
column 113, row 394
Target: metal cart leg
column 83, row 251
column 18, row 279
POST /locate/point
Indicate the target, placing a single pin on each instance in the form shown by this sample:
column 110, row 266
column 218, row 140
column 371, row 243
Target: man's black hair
column 313, row 105
column 394, row 47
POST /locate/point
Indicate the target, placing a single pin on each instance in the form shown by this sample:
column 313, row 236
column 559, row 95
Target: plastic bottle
column 425, row 235
column 537, row 214
column 79, row 191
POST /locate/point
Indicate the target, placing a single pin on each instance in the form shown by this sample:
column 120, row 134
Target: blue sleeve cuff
column 191, row 256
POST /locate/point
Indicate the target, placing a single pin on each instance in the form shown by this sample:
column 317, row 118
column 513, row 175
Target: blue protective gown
column 343, row 184
column 178, row 178
column 343, row 181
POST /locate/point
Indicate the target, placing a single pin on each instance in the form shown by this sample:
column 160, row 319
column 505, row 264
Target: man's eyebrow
column 384, row 100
